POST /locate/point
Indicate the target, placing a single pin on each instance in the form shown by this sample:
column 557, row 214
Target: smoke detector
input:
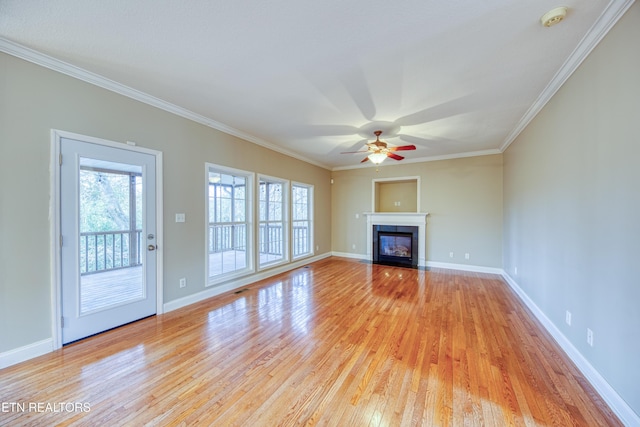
column 554, row 16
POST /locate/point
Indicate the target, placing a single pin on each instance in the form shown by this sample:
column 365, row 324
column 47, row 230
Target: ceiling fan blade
column 402, row 148
column 394, row 156
column 359, row 147
column 365, row 159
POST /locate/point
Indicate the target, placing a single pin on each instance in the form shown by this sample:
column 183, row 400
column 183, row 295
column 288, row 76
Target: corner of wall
column 608, row 394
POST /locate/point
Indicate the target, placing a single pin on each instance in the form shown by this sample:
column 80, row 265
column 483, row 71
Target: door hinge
column 61, row 240
column 62, row 321
column 60, row 159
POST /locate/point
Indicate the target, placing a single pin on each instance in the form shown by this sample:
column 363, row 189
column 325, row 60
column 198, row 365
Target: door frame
column 55, row 217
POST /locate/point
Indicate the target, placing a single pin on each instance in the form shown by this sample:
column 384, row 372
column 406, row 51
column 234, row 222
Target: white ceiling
column 316, row 78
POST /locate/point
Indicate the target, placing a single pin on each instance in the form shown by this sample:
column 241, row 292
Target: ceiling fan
column 379, row 150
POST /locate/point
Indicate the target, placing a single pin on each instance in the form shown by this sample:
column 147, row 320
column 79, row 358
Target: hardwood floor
column 340, row 342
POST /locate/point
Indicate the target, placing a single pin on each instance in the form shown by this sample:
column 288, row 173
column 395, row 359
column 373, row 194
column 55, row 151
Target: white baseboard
column 465, row 267
column 235, row 284
column 39, row 348
column 26, row 352
column 349, row 255
column 449, row 266
column 608, row 394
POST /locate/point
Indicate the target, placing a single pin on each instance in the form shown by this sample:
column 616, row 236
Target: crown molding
column 596, row 33
column 39, row 58
column 424, row 159
column 614, row 11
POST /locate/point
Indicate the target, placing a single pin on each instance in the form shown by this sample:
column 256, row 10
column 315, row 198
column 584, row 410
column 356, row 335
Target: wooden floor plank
column 340, row 342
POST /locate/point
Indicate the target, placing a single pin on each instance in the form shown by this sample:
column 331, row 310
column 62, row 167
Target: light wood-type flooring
column 339, row 342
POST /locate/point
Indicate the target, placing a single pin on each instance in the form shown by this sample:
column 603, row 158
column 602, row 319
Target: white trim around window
column 273, row 221
column 301, row 220
column 229, row 242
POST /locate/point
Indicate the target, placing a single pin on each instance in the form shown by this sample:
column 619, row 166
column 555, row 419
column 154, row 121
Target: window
column 273, row 230
column 302, row 219
column 229, row 226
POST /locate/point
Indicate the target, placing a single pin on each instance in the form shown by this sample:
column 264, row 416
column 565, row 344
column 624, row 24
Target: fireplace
column 408, row 222
column 395, row 245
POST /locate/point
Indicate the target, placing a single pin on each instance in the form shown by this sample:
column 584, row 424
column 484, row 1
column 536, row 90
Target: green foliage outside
column 106, row 239
column 104, row 201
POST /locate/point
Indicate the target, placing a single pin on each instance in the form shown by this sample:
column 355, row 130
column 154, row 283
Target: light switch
column 180, row 217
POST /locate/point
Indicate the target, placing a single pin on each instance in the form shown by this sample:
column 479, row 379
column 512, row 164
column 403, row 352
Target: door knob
column 151, row 247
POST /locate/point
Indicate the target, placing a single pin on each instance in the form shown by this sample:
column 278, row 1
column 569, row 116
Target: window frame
column 284, row 221
column 310, row 220
column 248, row 223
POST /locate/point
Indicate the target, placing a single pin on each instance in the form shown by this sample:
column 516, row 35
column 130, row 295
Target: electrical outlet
column 515, row 270
column 590, row 337
column 180, row 217
column 450, row 254
column 466, row 256
column 353, row 246
column 183, row 282
column 567, row 318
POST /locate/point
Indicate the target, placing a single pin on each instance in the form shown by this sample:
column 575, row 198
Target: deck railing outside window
column 300, row 239
column 226, row 237
column 271, row 239
column 229, row 237
column 109, row 250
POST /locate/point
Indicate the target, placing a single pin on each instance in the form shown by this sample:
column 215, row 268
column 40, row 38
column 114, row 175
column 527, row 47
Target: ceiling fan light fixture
column 377, row 158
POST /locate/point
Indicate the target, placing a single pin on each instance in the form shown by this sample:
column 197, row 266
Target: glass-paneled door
column 108, row 258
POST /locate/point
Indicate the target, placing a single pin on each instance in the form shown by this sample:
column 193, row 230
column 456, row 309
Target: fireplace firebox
column 395, row 245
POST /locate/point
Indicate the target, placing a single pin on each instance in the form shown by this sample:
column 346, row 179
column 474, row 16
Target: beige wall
column 463, row 198
column 572, row 208
column 569, row 198
column 34, row 100
column 404, row 193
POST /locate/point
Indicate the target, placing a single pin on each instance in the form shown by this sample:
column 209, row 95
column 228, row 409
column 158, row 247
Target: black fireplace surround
column 395, row 245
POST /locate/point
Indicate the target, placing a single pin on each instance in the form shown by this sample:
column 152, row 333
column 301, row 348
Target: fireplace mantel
column 417, row 219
